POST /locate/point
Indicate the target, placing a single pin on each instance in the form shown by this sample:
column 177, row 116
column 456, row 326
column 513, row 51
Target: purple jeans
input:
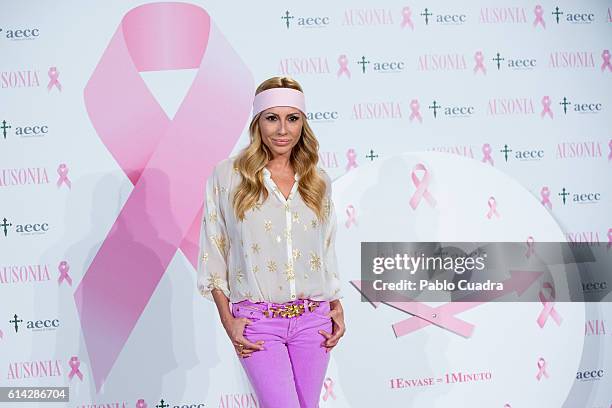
column 289, row 372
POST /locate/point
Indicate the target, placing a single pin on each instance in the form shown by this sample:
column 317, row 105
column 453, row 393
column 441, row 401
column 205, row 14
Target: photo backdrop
column 113, row 114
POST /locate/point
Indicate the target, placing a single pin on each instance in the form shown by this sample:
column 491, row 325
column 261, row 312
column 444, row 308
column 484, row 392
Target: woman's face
column 281, row 127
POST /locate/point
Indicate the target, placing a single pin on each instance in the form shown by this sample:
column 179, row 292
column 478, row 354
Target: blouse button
column 292, row 296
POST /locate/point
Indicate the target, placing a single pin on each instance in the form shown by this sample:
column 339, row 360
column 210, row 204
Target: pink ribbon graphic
column 546, row 107
column 507, row 405
column 609, row 238
column 486, row 151
column 549, row 306
column 167, row 160
column 541, row 369
column 539, row 16
column 352, row 219
column 53, row 74
column 444, row 316
column 415, row 113
column 141, row 403
column 74, row 364
column 492, row 203
column 62, row 171
column 479, row 59
column 407, row 18
column 421, row 187
column 605, row 56
column 63, row 269
column 351, row 156
column 343, row 62
column 329, row 389
column 530, row 247
column 545, row 194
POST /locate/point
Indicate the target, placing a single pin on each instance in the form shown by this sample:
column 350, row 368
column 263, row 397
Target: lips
column 281, row 142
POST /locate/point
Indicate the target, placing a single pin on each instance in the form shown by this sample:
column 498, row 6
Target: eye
column 270, row 118
column 294, row 118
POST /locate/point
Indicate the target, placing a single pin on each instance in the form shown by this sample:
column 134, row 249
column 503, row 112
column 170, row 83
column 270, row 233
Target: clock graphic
column 500, row 351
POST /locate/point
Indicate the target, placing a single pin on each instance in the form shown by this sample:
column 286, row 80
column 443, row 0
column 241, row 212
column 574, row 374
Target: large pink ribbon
column 63, row 269
column 422, row 186
column 167, row 160
column 53, row 81
column 546, row 107
column 351, row 156
column 486, row 152
column 538, row 11
column 415, row 113
column 492, row 203
column 351, row 214
column 343, row 63
column 407, row 18
column 62, row 171
column 74, row 364
column 479, row 59
column 605, row 56
column 530, row 247
column 549, row 306
column 541, row 369
column 329, row 389
column 141, row 403
column 545, row 195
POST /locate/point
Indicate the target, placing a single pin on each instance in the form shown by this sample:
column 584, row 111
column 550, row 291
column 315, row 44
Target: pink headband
column 278, row 97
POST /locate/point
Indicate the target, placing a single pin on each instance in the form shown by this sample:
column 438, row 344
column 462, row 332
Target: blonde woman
column 267, row 256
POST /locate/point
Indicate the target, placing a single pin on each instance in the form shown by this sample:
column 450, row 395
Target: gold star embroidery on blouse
column 220, row 241
column 305, row 227
column 255, row 268
column 289, row 271
column 205, row 257
column 296, row 254
column 315, row 262
column 255, row 247
column 287, row 207
column 215, row 282
column 239, row 275
column 268, row 225
column 257, row 206
column 327, row 206
column 287, row 233
column 314, row 223
column 271, row 266
column 213, row 216
column 296, row 217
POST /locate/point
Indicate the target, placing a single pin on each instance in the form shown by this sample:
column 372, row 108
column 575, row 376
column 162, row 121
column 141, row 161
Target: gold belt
column 293, row 310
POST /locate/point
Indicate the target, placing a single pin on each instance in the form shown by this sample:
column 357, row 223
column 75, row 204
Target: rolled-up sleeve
column 214, row 243
column 329, row 243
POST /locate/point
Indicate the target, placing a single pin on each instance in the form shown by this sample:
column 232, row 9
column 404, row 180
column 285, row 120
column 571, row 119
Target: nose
column 283, row 128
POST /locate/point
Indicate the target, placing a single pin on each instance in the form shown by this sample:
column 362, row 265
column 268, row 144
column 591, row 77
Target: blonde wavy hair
column 304, row 158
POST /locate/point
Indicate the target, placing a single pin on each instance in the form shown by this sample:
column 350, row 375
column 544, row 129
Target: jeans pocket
column 322, row 311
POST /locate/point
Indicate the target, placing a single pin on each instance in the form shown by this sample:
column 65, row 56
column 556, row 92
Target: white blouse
column 278, row 253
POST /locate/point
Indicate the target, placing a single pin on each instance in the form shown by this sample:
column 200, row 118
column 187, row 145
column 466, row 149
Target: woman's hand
column 234, row 326
column 338, row 329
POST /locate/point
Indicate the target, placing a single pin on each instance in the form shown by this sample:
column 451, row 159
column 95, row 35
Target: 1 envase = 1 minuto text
column 413, row 264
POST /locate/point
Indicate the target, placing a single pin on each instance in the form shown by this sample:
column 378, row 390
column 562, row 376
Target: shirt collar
column 268, row 175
